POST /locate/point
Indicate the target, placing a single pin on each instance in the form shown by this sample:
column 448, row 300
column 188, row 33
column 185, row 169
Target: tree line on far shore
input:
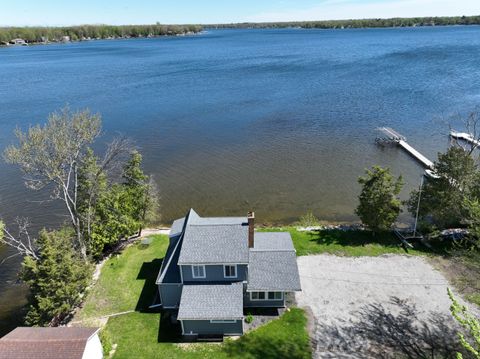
column 85, row 32
column 359, row 23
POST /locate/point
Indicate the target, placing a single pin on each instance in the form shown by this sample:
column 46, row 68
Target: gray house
column 216, row 267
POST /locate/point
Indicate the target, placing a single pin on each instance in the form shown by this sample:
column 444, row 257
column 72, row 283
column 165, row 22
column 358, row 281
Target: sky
column 116, row 12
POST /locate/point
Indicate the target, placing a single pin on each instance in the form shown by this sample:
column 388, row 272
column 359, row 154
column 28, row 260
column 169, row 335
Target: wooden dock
column 395, row 137
column 414, row 153
column 464, row 136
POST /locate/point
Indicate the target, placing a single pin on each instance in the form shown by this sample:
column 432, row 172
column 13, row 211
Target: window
column 223, row 321
column 198, row 271
column 274, row 295
column 230, row 271
column 266, row 295
column 257, row 295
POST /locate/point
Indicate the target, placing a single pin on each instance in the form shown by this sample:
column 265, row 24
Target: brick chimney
column 251, row 227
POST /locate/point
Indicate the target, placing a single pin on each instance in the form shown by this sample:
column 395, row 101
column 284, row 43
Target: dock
column 393, row 136
column 414, row 153
column 464, row 136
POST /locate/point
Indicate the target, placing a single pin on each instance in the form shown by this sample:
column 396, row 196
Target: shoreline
column 38, row 43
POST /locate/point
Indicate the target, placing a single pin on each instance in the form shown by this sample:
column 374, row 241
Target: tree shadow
column 400, row 331
column 148, row 272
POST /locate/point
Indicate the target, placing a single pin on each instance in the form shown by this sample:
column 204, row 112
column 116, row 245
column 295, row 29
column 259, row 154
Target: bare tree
column 23, row 243
column 471, row 123
column 51, row 154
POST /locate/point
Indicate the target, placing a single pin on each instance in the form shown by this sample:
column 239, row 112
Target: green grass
column 127, row 283
column 122, row 280
column 349, row 243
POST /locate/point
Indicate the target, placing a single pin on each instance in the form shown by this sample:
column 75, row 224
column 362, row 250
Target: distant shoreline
column 356, row 23
column 24, row 36
column 100, row 39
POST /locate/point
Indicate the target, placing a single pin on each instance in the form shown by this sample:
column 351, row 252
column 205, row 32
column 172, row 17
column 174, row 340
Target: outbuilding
column 51, row 343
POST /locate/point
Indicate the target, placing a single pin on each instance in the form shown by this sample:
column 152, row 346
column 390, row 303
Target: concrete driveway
column 383, row 307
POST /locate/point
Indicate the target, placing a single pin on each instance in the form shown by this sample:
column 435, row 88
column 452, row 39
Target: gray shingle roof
column 214, row 240
column 273, row 241
column 205, row 302
column 273, row 270
column 177, row 227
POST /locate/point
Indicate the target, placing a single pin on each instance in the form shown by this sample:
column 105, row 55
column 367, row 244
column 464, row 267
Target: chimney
column 251, row 226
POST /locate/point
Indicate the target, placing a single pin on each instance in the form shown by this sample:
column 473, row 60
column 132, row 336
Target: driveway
column 383, row 307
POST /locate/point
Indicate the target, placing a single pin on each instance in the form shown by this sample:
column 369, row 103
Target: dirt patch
column 463, row 274
column 383, row 307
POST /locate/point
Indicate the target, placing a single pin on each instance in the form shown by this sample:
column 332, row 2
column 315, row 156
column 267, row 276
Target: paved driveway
column 376, row 307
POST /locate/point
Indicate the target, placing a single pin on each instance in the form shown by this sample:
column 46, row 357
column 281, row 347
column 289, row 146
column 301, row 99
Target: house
column 18, row 42
column 214, row 268
column 51, row 343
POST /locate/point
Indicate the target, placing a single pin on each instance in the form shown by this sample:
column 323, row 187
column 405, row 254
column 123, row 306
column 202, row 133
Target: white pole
column 418, row 207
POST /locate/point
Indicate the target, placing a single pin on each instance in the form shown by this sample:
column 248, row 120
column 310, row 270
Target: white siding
column 93, row 349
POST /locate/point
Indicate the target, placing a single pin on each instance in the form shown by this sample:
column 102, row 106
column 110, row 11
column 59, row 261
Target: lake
column 277, row 121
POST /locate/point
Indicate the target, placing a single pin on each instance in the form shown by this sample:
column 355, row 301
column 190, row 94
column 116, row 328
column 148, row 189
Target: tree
column 56, row 279
column 443, row 197
column 58, row 155
column 23, row 243
column 141, row 191
column 50, row 155
column 470, row 323
column 379, row 205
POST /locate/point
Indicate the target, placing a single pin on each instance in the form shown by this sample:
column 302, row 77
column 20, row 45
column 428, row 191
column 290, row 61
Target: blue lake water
column 278, row 121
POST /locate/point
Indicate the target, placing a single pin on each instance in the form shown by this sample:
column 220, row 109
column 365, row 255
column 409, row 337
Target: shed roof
column 211, row 301
column 43, row 343
column 273, row 270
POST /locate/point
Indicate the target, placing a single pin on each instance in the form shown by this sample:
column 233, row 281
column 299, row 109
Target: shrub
column 249, row 318
column 309, row 220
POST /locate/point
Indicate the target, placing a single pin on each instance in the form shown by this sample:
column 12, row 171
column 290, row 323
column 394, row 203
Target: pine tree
column 379, row 205
column 56, row 280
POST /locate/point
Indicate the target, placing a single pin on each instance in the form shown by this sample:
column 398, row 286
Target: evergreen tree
column 379, row 205
column 443, row 198
column 56, row 279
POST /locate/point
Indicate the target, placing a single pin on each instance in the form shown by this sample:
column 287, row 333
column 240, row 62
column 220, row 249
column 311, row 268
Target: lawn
column 348, row 243
column 127, row 283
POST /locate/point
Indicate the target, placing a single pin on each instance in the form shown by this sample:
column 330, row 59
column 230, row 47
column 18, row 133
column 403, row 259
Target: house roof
column 169, row 271
column 273, row 241
column 214, row 240
column 273, row 270
column 207, row 301
column 177, row 227
column 43, row 343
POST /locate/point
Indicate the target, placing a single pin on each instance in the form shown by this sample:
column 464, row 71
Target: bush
column 309, row 220
column 249, row 318
column 106, row 340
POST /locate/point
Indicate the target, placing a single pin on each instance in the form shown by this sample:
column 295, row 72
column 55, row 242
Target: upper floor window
column 230, row 271
column 198, row 271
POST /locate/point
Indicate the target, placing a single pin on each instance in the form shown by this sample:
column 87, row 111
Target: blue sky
column 62, row 12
